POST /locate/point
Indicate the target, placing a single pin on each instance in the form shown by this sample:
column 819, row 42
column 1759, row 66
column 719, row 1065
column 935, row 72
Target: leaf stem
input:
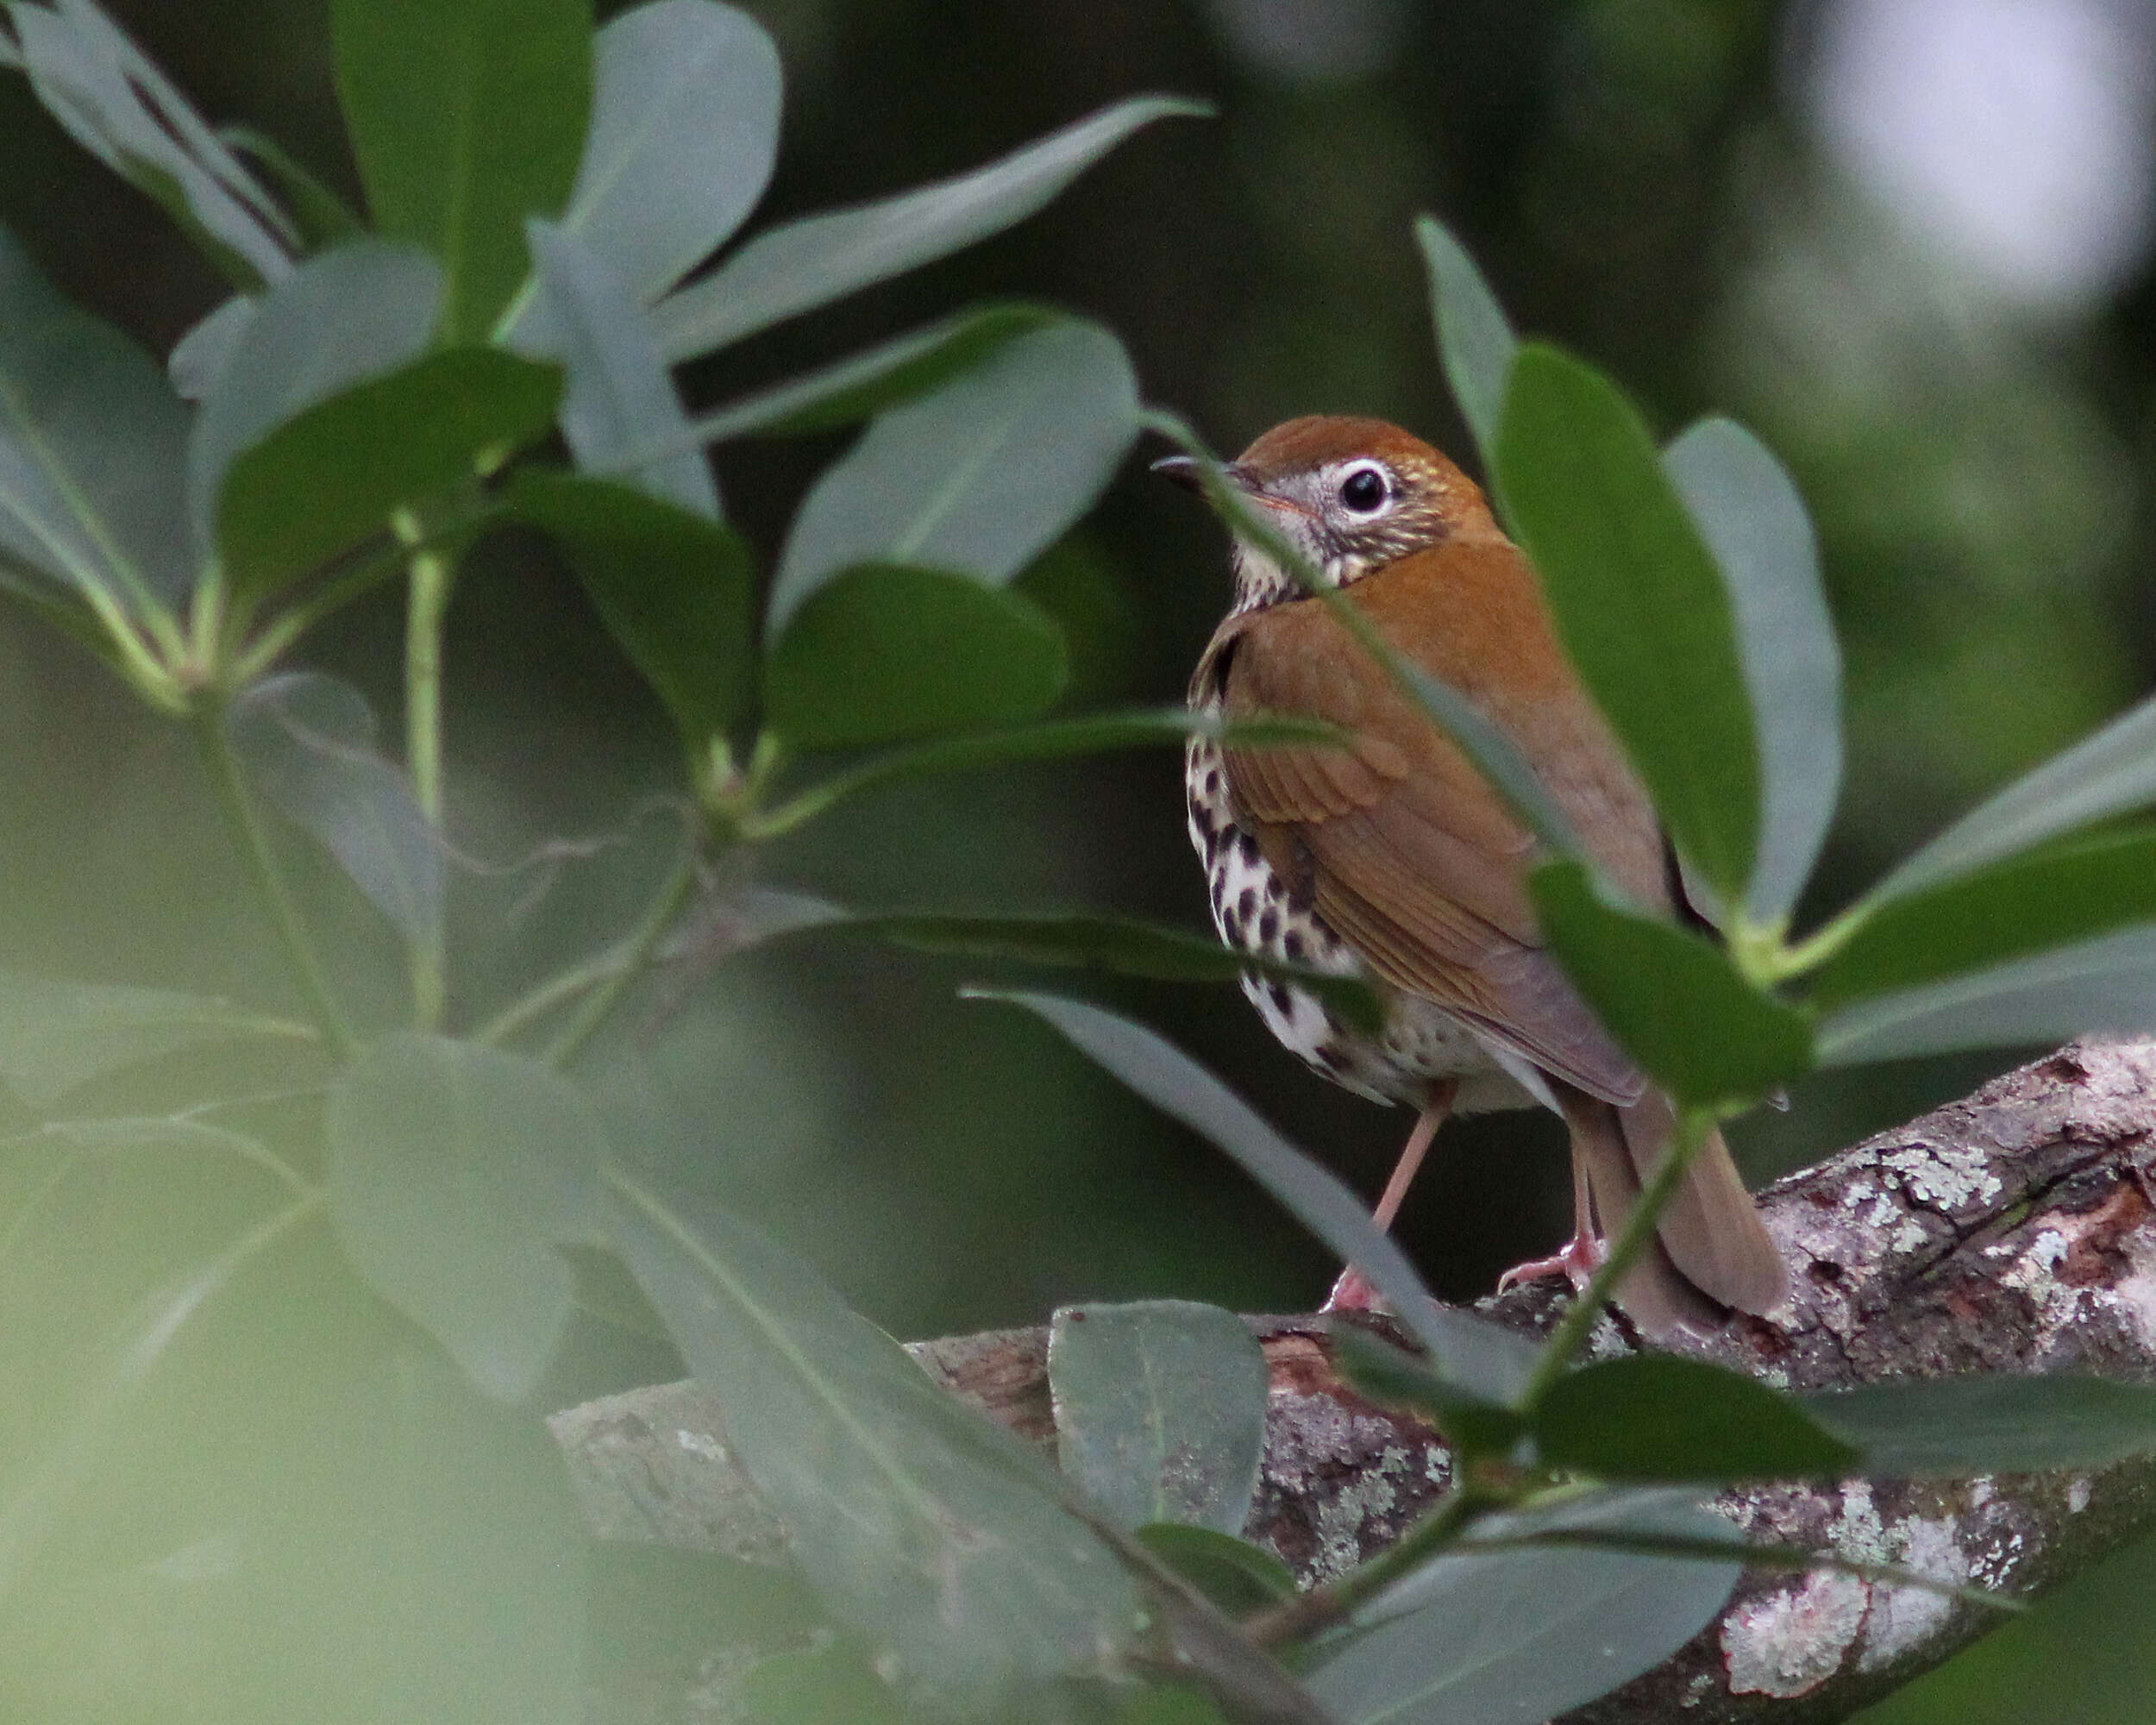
column 1311, row 1614
column 628, row 960
column 1573, row 1329
column 224, row 774
column 426, row 606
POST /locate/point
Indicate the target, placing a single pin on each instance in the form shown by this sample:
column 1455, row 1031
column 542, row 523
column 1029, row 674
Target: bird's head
column 1352, row 495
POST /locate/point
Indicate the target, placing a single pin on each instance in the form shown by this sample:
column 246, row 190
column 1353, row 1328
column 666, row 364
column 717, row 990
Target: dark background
column 1939, row 314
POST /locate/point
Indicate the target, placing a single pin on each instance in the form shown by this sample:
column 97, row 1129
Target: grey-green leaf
column 345, row 316
column 685, row 128
column 804, row 263
column 200, row 354
column 56, row 1034
column 1748, row 510
column 2107, row 984
column 454, row 1171
column 1639, row 605
column 1504, row 1637
column 1160, row 1411
column 308, row 742
column 620, row 413
column 934, row 1533
column 2109, row 773
column 979, row 477
column 91, row 448
column 1993, row 1423
column 113, row 100
column 1175, row 1083
column 851, row 389
column 1475, row 343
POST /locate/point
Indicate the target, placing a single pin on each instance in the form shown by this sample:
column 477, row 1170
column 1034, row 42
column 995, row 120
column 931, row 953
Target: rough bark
column 2011, row 1232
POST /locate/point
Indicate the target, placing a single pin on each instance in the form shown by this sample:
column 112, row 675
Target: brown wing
column 1405, row 849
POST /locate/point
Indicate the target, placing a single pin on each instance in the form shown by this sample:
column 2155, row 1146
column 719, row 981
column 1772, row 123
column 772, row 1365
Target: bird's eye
column 1364, row 491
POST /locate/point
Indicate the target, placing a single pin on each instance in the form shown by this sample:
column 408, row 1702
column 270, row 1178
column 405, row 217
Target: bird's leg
column 1583, row 1253
column 1352, row 1292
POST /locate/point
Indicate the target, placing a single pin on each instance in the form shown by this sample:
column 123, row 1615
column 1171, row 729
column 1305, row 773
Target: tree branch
column 2012, row 1232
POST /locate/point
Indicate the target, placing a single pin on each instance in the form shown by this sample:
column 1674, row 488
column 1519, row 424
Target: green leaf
column 1181, row 1088
column 1495, row 1638
column 2092, row 988
column 353, row 313
column 797, row 267
column 621, row 415
column 675, row 591
column 1393, row 1377
column 685, row 128
column 883, row 654
column 815, row 1687
column 1475, row 341
column 467, row 117
column 1958, row 1426
column 1160, row 1411
column 91, row 442
column 1238, row 1576
column 978, row 477
column 1657, row 1418
column 1671, row 997
column 115, row 104
column 325, row 482
column 892, row 372
column 1748, row 510
column 1121, row 947
column 56, row 1035
column 1639, row 605
column 1051, row 740
column 2027, row 904
column 935, row 1533
column 320, row 216
column 307, row 742
column 2107, row 773
column 454, row 1172
column 201, row 354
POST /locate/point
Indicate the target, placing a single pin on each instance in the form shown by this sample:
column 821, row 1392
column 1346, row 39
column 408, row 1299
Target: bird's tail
column 1712, row 1254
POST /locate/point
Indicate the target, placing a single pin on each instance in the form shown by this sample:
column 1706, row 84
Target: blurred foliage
column 1638, row 177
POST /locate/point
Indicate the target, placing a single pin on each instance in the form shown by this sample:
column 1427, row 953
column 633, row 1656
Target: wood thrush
column 1393, row 858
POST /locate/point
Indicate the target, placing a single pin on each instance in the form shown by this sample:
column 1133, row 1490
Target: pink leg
column 1583, row 1253
column 1352, row 1292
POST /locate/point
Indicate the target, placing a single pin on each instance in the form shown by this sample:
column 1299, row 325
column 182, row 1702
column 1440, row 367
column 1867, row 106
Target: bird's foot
column 1351, row 1293
column 1581, row 1257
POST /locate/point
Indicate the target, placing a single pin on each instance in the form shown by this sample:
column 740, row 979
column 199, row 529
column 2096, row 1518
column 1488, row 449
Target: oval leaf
column 351, row 314
column 883, row 654
column 2107, row 984
column 467, row 117
column 1959, row 1426
column 2107, row 773
column 1475, row 341
column 1238, row 1576
column 980, row 476
column 1500, row 1637
column 200, row 354
column 1657, row 1418
column 892, row 372
column 1640, row 607
column 685, row 128
column 621, row 415
column 322, row 483
column 1671, row 997
column 454, row 1171
column 1748, row 510
column 932, row 1532
column 91, row 448
column 674, row 588
column 1160, row 1411
column 2026, row 905
column 56, row 1034
column 804, row 263
column 1393, row 1377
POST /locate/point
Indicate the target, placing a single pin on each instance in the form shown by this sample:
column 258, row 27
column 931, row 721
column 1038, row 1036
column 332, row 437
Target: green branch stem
column 261, row 866
column 629, row 961
column 1297, row 1620
column 431, row 578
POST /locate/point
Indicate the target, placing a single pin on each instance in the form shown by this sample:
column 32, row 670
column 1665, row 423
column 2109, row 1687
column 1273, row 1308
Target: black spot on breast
column 1246, row 906
column 1282, row 1001
column 1247, row 844
column 1295, row 948
column 1268, row 926
column 1212, row 782
column 1333, row 1058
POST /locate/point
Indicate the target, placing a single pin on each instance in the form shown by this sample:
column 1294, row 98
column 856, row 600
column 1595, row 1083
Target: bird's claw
column 1581, row 1257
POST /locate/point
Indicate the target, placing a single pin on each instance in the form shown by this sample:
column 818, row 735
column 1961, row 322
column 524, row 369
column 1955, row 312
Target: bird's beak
column 1184, row 470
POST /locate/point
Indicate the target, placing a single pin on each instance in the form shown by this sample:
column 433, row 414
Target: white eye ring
column 1364, row 489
